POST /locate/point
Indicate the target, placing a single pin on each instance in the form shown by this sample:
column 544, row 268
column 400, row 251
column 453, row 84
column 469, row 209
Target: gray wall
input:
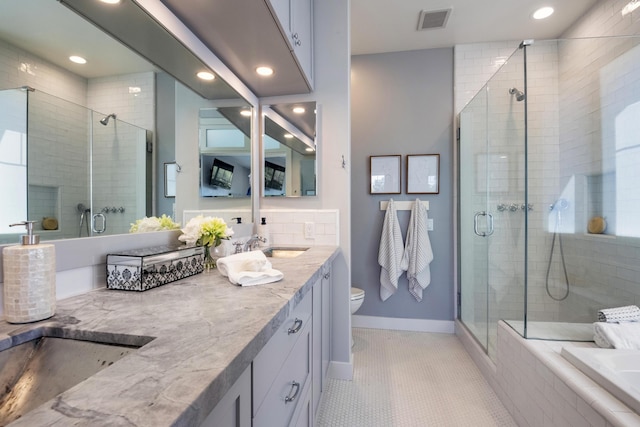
column 165, row 137
column 402, row 103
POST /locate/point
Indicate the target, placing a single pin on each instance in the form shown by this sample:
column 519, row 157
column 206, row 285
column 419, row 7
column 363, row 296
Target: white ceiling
column 379, row 26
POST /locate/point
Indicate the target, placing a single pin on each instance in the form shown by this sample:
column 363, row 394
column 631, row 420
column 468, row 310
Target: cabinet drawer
column 267, row 363
column 291, row 382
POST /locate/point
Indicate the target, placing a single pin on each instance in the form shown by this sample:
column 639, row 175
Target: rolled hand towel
column 614, row 335
column 248, row 269
column 629, row 313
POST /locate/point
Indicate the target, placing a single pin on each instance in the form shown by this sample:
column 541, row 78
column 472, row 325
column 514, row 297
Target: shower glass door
column 493, row 204
column 474, row 310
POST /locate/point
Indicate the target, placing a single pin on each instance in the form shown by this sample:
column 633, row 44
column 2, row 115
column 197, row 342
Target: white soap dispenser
column 29, row 279
column 263, row 231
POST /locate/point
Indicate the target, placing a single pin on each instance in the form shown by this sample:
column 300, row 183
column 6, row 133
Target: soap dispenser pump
column 29, row 278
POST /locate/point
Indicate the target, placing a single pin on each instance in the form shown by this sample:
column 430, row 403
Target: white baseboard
column 417, row 325
column 341, row 370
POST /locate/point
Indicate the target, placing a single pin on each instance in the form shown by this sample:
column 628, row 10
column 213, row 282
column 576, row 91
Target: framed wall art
column 384, row 174
column 423, row 174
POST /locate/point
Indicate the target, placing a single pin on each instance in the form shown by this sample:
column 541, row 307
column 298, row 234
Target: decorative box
column 142, row 269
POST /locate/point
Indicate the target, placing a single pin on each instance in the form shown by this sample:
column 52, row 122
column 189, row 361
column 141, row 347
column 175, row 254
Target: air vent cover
column 431, row 19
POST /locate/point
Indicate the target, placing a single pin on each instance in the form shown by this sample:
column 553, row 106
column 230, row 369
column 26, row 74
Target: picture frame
column 384, row 174
column 423, row 174
column 170, row 173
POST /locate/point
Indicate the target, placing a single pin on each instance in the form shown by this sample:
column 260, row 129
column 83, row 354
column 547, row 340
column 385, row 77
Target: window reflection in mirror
column 289, row 167
column 225, row 152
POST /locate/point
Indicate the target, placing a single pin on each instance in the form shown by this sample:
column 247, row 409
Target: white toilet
column 357, row 296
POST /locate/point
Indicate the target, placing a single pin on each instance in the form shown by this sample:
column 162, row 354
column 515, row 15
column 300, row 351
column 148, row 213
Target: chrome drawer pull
column 291, row 398
column 297, row 324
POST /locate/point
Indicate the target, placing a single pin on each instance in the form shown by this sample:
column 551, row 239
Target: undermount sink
column 36, row 371
column 284, row 252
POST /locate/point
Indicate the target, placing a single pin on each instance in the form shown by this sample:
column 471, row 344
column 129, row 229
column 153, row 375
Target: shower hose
column 564, row 266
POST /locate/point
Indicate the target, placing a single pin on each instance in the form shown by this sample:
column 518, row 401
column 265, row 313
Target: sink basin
column 36, row 371
column 284, row 252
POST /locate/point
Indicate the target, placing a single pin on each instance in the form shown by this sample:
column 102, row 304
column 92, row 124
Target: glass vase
column 211, row 255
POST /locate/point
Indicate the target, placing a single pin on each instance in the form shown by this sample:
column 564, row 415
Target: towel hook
column 344, row 163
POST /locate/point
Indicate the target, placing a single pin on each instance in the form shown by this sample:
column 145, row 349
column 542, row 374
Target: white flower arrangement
column 153, row 223
column 205, row 231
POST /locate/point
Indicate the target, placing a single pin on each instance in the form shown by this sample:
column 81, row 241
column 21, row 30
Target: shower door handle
column 95, row 223
column 490, row 222
column 475, row 224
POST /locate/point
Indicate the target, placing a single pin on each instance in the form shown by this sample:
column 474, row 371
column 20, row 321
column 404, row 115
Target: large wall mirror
column 89, row 133
column 289, row 168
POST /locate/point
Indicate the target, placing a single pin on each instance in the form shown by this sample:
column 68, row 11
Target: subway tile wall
column 286, row 226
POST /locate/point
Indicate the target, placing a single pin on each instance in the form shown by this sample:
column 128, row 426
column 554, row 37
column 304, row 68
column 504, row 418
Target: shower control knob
column 114, row 209
column 121, row 209
column 502, row 207
column 513, row 207
column 105, row 210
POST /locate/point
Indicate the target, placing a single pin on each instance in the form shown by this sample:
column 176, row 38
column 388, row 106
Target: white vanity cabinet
column 282, row 370
column 295, row 19
column 234, row 410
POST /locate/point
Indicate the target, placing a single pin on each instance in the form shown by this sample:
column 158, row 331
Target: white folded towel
column 617, row 335
column 417, row 251
column 390, row 253
column 628, row 313
column 248, row 269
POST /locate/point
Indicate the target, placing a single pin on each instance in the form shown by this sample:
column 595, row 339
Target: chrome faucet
column 252, row 243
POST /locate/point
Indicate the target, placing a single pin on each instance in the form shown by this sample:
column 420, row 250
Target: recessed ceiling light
column 309, row 149
column 264, row 71
column 77, row 59
column 205, row 75
column 543, row 12
column 298, row 110
column 288, row 135
column 245, row 113
column 110, row 1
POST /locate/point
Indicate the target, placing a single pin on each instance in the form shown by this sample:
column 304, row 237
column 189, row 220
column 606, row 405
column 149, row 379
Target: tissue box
column 142, row 269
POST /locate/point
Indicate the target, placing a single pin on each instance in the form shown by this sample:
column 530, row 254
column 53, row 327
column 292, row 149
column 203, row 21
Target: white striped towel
column 417, row 251
column 628, row 313
column 390, row 253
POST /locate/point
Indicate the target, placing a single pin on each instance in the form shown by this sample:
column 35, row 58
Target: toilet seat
column 356, row 294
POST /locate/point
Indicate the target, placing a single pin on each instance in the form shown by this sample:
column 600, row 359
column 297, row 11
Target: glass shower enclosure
column 548, row 188
column 74, row 171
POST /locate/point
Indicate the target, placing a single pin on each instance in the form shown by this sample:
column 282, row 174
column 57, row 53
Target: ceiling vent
column 432, row 19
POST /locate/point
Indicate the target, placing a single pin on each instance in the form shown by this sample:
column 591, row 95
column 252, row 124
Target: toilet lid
column 357, row 293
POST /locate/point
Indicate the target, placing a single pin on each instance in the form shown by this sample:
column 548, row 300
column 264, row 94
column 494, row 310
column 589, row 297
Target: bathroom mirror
column 36, row 39
column 289, row 166
column 225, row 152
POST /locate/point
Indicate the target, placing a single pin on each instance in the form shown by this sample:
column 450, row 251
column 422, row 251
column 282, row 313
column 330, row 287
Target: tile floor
column 411, row 379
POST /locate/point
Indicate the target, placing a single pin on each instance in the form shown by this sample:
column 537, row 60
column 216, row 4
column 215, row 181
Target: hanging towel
column 390, row 255
column 417, row 251
column 617, row 335
column 628, row 313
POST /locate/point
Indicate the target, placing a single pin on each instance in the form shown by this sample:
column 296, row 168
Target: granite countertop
column 205, row 332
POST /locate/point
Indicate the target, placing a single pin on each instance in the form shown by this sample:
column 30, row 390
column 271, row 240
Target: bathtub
column 618, row 371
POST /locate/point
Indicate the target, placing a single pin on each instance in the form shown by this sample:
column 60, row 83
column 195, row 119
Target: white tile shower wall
column 20, row 68
column 119, row 147
column 286, row 226
column 474, row 64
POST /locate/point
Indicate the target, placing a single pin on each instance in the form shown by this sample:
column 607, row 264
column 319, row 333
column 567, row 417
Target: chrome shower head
column 519, row 94
column 105, row 121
